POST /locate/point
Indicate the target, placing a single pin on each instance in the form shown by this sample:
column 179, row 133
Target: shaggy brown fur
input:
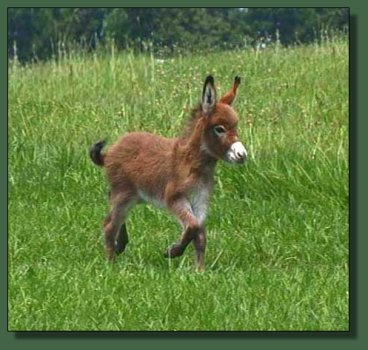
column 173, row 173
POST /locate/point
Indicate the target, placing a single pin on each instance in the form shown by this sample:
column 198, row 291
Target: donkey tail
column 95, row 153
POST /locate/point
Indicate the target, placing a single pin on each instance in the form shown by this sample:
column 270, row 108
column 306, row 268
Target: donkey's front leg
column 178, row 249
column 200, row 247
column 182, row 209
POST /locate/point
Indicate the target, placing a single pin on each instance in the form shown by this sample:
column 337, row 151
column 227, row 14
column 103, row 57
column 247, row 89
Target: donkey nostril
column 241, row 157
column 238, row 152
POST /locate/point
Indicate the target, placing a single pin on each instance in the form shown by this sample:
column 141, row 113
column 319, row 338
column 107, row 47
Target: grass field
column 277, row 256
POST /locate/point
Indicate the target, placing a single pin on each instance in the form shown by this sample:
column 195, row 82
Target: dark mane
column 194, row 115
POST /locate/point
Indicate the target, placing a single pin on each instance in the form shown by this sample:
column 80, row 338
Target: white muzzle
column 236, row 153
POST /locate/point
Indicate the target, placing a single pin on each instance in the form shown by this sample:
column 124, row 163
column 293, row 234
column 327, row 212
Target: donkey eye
column 219, row 130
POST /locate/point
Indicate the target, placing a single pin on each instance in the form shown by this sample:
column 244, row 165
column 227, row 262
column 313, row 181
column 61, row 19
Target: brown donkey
column 176, row 174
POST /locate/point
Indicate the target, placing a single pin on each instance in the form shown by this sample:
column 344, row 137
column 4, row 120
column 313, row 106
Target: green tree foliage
column 38, row 33
column 295, row 24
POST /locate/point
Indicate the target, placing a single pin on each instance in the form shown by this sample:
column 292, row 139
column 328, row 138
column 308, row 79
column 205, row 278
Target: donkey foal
column 176, row 173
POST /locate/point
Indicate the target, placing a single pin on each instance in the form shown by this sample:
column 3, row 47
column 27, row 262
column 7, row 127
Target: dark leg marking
column 121, row 240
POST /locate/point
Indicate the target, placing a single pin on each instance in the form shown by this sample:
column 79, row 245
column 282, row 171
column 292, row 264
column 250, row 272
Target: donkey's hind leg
column 121, row 239
column 122, row 236
column 116, row 237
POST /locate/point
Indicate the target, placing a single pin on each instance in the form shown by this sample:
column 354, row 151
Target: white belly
column 199, row 201
column 150, row 199
column 196, row 203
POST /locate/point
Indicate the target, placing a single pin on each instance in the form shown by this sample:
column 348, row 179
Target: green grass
column 277, row 256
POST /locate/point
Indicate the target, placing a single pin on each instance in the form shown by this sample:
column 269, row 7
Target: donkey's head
column 220, row 137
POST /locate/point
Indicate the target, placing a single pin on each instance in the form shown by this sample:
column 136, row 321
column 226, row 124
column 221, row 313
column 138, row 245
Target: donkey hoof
column 174, row 251
column 110, row 256
column 119, row 247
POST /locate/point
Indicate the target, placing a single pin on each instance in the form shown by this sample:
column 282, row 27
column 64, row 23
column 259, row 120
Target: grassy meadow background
column 277, row 256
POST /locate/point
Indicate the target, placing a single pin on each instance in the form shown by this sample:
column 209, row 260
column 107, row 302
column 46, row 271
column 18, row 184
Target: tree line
column 41, row 33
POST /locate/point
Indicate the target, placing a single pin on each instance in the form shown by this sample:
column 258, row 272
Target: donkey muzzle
column 236, row 153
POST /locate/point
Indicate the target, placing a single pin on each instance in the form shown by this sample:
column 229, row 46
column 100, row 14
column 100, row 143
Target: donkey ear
column 208, row 95
column 229, row 97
